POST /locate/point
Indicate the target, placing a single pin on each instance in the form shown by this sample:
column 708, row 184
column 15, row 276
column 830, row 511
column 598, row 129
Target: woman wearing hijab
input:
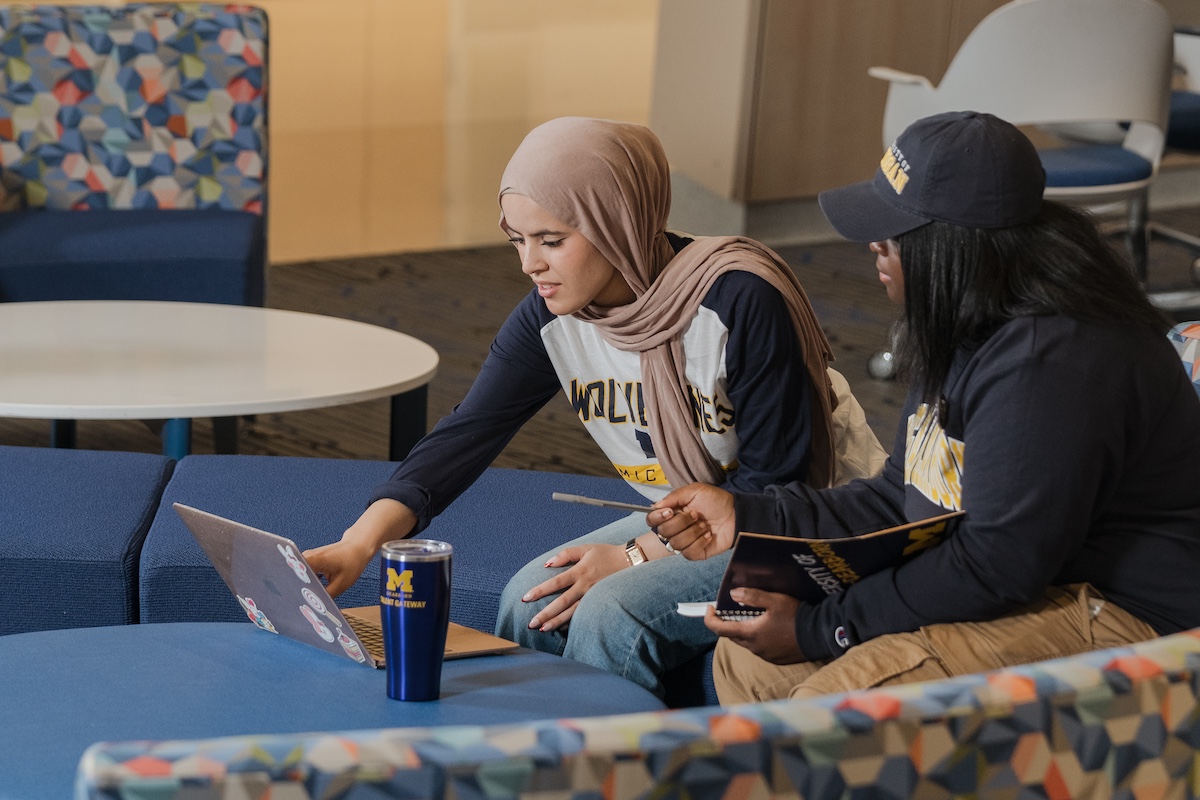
column 687, row 360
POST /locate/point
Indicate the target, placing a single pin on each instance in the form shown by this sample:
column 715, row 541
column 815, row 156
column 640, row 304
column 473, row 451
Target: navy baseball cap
column 961, row 167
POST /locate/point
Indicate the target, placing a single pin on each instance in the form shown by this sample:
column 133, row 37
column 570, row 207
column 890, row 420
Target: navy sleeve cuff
column 410, row 495
column 813, row 645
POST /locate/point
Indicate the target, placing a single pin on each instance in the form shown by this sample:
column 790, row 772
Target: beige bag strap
column 857, row 451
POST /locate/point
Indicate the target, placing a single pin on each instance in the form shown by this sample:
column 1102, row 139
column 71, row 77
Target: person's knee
column 742, row 677
column 514, row 612
column 600, row 613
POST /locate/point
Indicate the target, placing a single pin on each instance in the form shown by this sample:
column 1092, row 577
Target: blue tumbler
column 414, row 600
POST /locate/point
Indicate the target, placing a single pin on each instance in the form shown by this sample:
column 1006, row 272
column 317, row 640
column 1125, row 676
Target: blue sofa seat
column 72, row 524
column 505, row 519
column 193, row 255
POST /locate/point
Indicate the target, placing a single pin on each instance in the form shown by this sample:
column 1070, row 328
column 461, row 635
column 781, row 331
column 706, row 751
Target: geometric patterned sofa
column 133, row 152
column 1116, row 723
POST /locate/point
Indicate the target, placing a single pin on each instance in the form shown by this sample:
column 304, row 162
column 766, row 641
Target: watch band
column 634, row 552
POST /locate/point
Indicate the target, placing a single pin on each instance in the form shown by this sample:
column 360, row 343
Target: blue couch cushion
column 207, row 256
column 1093, row 165
column 309, row 500
column 499, row 524
column 502, row 521
column 72, row 523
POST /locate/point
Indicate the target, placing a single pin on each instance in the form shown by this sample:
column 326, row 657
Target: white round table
column 100, row 359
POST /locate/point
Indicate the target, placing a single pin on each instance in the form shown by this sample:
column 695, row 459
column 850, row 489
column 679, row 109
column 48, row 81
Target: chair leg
column 1137, row 232
column 1177, row 237
column 1136, row 236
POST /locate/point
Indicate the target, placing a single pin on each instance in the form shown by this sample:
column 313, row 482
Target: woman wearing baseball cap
column 1045, row 401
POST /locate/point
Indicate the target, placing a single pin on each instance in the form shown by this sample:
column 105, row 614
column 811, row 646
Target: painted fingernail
column 526, row 598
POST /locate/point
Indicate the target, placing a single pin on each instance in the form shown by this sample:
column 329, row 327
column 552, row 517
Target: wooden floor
column 456, row 300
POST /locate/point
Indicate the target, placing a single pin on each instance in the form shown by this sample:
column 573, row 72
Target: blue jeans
column 627, row 623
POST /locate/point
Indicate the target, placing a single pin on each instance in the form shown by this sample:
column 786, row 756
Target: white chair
column 1183, row 134
column 1083, row 67
column 1063, row 63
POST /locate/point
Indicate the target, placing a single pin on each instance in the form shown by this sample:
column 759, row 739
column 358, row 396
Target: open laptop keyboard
column 370, row 635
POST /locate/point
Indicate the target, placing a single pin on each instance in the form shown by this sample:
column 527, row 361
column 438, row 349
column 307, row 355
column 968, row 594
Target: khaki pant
column 1068, row 620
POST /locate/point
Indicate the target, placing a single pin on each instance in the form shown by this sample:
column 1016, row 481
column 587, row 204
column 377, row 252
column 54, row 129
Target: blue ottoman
column 72, row 523
column 198, row 680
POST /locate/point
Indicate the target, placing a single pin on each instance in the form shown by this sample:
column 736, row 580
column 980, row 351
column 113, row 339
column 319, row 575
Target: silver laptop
column 282, row 594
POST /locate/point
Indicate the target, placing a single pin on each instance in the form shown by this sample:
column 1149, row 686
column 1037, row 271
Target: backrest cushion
column 139, row 106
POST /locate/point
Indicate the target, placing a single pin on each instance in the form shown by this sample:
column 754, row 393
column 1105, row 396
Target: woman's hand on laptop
column 343, row 562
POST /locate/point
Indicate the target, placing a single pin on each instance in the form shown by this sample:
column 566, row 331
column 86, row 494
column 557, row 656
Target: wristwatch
column 634, row 552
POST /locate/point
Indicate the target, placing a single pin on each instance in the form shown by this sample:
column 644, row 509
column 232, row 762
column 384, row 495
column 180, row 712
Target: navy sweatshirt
column 1074, row 448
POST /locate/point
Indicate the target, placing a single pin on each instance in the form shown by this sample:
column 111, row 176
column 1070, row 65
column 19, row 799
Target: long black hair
column 961, row 284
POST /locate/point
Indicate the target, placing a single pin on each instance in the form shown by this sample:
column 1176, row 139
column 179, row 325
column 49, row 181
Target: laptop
column 282, row 594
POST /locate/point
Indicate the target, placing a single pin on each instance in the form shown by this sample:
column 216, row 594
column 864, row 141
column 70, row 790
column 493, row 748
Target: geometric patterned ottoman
column 1119, row 723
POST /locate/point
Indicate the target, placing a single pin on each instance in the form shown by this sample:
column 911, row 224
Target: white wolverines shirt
column 605, row 389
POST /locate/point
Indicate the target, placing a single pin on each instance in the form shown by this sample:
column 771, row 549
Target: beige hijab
column 610, row 181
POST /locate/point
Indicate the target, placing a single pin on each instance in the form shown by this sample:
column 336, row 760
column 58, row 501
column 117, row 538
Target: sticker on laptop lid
column 294, row 562
column 351, row 647
column 256, row 616
column 318, row 605
column 320, row 627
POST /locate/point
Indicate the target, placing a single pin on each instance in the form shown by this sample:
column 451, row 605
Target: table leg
column 408, row 421
column 62, row 433
column 177, row 438
column 225, row 432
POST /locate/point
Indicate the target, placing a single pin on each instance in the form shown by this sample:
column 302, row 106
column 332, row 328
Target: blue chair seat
column 1093, row 165
column 197, row 255
column 1183, row 129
